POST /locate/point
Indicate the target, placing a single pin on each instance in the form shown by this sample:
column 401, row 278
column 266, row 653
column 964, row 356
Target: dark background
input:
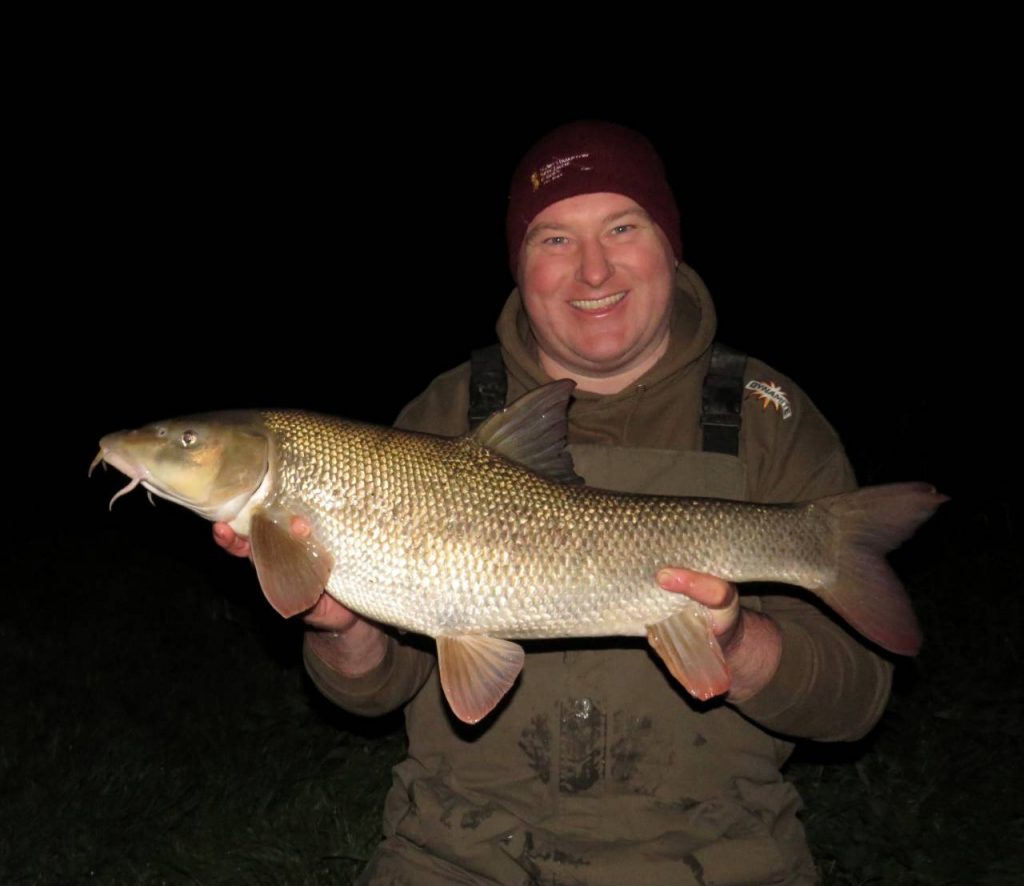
column 202, row 248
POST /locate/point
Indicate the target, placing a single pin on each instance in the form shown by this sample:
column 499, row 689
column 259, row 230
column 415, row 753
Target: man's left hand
column 751, row 642
column 719, row 596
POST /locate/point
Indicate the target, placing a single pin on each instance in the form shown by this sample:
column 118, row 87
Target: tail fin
column 866, row 592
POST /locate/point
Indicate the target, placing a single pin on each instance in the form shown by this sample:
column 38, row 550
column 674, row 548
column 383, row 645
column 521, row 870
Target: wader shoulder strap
column 487, row 383
column 722, row 400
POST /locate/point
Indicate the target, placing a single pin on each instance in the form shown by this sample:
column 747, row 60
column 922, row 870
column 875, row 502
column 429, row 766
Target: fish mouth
column 598, row 304
column 115, row 459
column 137, row 474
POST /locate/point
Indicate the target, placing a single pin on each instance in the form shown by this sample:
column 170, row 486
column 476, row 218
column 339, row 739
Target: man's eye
column 557, row 240
column 622, row 229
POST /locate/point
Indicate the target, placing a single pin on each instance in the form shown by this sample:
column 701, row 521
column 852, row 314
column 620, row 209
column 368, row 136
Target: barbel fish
column 488, row 538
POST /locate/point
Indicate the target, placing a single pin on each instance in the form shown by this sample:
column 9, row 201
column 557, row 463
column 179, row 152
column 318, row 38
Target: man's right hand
column 347, row 642
column 230, row 540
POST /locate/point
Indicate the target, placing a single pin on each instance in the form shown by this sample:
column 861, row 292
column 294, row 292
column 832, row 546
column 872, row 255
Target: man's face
column 596, row 276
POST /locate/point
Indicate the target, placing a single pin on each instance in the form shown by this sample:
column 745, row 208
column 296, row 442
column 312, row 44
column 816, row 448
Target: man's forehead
column 600, row 207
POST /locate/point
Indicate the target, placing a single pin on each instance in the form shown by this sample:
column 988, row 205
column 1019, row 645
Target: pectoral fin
column 476, row 672
column 293, row 572
column 687, row 645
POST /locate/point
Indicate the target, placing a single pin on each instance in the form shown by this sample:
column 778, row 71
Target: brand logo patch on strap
column 768, row 392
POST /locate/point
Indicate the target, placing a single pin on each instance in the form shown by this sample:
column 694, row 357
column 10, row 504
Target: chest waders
column 597, row 744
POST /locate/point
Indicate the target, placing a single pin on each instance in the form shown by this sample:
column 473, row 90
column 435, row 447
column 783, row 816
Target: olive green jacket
column 598, row 768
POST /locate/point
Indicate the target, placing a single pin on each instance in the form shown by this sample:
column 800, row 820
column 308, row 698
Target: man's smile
column 598, row 304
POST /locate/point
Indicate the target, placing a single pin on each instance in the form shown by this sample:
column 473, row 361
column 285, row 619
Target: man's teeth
column 598, row 304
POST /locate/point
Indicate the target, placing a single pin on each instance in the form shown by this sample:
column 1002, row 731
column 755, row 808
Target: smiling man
column 597, row 768
column 596, row 277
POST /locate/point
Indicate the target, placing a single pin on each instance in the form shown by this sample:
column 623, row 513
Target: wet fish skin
column 456, row 539
column 498, row 549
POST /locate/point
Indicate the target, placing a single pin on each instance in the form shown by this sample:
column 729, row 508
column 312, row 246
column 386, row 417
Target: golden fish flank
column 490, row 537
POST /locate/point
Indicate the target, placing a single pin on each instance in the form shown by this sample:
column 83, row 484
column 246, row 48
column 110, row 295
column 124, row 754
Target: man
column 598, row 769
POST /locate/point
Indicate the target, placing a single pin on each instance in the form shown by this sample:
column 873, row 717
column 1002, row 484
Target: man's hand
column 230, row 540
column 751, row 642
column 720, row 597
column 345, row 641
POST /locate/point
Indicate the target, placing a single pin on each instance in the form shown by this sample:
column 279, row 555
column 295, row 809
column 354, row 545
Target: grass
column 168, row 737
column 935, row 795
column 157, row 726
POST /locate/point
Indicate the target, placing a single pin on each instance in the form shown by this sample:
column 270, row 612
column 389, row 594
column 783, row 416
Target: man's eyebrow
column 635, row 210
column 546, row 226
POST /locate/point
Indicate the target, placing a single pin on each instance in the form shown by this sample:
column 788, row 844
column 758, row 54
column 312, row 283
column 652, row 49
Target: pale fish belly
column 577, row 576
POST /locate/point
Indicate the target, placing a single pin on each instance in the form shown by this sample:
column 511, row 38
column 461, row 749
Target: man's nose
column 595, row 267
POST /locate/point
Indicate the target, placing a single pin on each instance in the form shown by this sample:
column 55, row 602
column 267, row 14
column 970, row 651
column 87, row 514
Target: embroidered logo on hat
column 552, row 172
column 770, row 393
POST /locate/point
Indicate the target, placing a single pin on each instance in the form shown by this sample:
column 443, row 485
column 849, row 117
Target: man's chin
column 602, row 362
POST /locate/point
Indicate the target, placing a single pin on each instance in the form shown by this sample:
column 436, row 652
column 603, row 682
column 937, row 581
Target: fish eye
column 161, row 432
column 188, row 438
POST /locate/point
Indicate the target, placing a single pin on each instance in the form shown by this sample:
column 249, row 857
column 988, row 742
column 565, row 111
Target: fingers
column 223, row 534
column 238, row 545
column 720, row 597
column 707, row 589
column 230, row 540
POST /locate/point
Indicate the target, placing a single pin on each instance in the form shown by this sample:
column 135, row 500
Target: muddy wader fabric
column 598, row 768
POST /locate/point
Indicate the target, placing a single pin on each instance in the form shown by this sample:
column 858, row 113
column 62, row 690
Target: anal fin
column 688, row 646
column 476, row 672
column 293, row 572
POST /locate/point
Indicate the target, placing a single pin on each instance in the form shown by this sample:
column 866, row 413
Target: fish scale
column 480, row 545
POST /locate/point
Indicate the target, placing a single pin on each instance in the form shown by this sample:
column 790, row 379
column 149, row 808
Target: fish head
column 212, row 464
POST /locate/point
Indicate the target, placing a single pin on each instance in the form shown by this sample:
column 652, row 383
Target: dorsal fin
column 532, row 431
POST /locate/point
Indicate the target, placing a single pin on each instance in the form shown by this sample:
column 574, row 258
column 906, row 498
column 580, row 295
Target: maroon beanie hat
column 589, row 157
